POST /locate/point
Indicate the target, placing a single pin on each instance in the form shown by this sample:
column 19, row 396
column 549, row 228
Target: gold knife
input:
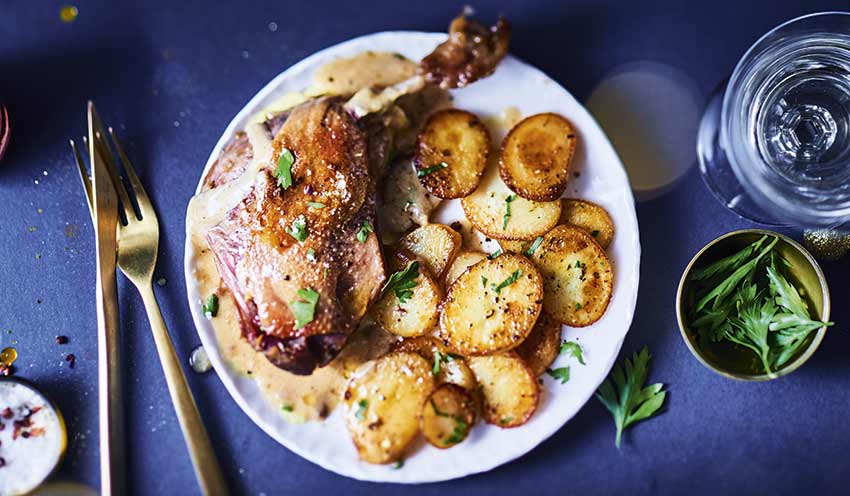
column 112, row 466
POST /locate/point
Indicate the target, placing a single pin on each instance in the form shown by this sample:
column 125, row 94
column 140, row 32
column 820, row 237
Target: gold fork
column 138, row 240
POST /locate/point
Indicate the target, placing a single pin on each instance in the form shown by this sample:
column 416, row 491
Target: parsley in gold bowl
column 753, row 305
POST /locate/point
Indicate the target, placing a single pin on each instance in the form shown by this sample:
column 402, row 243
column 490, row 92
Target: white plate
column 603, row 180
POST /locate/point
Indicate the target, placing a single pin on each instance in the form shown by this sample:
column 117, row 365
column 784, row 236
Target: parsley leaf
column 210, row 306
column 573, row 349
column 506, row 420
column 461, row 428
column 534, row 246
column 283, row 173
column 507, row 216
column 631, row 402
column 561, row 373
column 311, row 255
column 403, row 282
column 360, row 414
column 304, row 310
column 315, row 205
column 507, row 282
column 430, row 170
column 298, row 230
column 398, row 464
column 364, row 231
column 287, row 408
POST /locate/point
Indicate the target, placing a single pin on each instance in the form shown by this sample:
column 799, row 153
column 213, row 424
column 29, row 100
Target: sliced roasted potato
column 509, row 388
column 452, row 153
column 514, row 246
column 383, row 402
column 492, row 306
column 577, row 276
column 590, row 217
column 487, row 210
column 417, row 314
column 536, row 156
column 447, row 416
column 435, row 245
column 542, row 346
column 449, row 368
column 463, row 261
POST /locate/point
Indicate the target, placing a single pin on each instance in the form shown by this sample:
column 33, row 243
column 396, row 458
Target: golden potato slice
column 536, row 156
column 463, row 261
column 590, row 217
column 577, row 276
column 447, row 416
column 499, row 213
column 435, row 245
column 542, row 346
column 452, row 153
column 449, row 368
column 415, row 312
column 509, row 388
column 383, row 402
column 492, row 306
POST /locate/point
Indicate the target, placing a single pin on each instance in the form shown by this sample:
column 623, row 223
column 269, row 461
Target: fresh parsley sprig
column 625, row 396
column 403, row 282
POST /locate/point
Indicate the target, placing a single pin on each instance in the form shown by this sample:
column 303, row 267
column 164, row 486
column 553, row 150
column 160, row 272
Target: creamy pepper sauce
column 299, row 398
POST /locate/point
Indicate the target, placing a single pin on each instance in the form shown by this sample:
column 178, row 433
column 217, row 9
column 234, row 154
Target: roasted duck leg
column 300, row 256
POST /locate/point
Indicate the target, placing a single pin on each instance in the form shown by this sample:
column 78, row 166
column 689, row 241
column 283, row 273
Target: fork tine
column 102, row 147
column 84, row 178
column 145, row 207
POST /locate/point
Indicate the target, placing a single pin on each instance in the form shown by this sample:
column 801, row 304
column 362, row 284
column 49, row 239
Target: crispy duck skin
column 471, row 53
column 340, row 160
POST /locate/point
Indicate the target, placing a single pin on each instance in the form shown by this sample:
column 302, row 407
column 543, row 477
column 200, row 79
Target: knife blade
column 112, row 466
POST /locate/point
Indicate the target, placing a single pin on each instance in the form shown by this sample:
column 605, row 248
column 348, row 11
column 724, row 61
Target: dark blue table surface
column 170, row 76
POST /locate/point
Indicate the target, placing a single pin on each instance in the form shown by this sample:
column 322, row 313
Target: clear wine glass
column 774, row 142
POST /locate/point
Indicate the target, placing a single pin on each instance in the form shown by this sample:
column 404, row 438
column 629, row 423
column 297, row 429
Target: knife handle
column 207, row 469
column 112, row 461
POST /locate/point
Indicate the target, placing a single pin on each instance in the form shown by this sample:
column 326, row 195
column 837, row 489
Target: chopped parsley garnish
column 287, row 408
column 461, row 428
column 578, row 306
column 315, row 205
column 305, row 309
column 298, row 230
column 311, row 255
column 398, row 464
column 573, row 349
column 594, row 233
column 364, row 231
column 210, row 306
column 507, row 216
column 440, row 358
column 561, row 374
column 506, row 420
column 430, row 170
column 534, row 246
column 484, row 281
column 458, row 433
column 283, row 173
column 495, row 254
column 403, row 282
column 507, row 282
column 360, row 414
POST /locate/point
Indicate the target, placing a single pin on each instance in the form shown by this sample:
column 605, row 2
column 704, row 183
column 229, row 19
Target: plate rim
column 246, row 111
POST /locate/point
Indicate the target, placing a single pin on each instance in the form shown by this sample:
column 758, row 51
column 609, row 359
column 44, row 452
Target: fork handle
column 207, row 470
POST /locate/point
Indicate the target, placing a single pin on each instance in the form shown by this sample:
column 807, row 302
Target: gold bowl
column 732, row 361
